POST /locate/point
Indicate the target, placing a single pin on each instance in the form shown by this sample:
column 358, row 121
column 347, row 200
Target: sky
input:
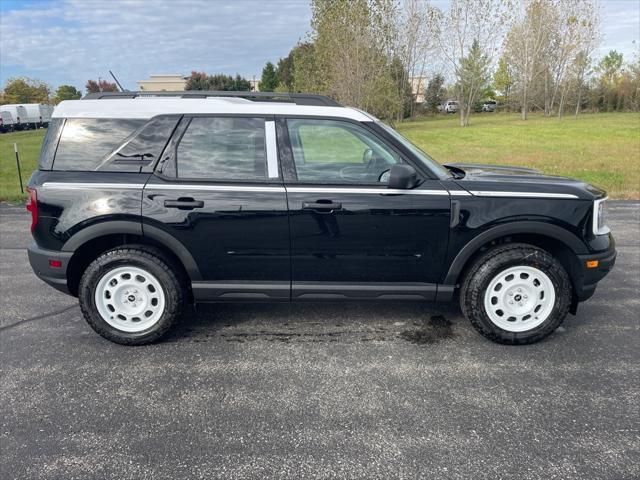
column 70, row 41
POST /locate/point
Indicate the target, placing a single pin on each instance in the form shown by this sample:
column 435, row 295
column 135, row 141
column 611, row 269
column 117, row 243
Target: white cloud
column 79, row 39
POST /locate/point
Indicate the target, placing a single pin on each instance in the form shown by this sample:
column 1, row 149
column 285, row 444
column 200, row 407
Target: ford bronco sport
column 142, row 204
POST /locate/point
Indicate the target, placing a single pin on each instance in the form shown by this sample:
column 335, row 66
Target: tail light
column 32, row 206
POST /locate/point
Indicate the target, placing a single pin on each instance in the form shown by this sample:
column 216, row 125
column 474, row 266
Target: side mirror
column 402, row 177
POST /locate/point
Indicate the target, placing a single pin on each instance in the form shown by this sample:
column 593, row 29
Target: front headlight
column 599, row 225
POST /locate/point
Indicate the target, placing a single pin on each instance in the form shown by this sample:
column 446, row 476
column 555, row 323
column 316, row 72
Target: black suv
column 144, row 203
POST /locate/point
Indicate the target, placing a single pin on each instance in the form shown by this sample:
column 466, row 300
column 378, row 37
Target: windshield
column 427, row 161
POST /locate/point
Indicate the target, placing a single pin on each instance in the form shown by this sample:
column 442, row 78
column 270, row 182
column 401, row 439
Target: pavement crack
column 37, row 317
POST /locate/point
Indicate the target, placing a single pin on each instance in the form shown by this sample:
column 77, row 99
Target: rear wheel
column 516, row 294
column 131, row 296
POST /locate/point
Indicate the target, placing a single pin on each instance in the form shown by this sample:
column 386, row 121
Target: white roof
column 150, row 107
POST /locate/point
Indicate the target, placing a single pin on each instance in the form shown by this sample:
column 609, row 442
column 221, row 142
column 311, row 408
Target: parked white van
column 19, row 114
column 6, row 121
column 39, row 114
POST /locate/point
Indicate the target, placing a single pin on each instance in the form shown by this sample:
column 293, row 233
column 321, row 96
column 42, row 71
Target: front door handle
column 184, row 203
column 322, row 206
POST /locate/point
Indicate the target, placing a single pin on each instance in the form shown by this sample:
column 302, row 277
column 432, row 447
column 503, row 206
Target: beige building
column 418, row 85
column 163, row 83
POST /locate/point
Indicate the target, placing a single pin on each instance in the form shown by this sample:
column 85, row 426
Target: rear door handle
column 184, row 203
column 322, row 206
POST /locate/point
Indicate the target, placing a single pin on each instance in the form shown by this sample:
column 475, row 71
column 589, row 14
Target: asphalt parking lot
column 319, row 391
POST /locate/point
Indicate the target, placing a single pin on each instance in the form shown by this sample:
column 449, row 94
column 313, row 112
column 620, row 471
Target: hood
column 519, row 180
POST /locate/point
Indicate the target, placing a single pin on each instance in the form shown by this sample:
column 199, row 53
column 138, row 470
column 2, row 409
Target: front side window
column 333, row 151
column 433, row 166
column 223, row 148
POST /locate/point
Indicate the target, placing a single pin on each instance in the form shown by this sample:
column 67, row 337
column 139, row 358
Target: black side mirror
column 402, row 177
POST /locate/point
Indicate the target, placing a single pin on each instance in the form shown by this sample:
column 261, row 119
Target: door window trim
column 169, row 157
column 287, row 161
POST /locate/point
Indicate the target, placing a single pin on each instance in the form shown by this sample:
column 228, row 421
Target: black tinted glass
column 144, row 148
column 50, row 143
column 225, row 148
column 330, row 151
column 85, row 142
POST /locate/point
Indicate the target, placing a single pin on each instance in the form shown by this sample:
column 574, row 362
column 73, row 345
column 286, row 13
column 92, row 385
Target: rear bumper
column 591, row 276
column 41, row 259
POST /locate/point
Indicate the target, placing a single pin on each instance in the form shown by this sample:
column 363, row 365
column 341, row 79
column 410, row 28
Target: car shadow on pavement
column 420, row 323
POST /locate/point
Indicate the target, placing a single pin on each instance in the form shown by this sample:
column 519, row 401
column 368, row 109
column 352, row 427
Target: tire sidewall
column 536, row 259
column 120, row 258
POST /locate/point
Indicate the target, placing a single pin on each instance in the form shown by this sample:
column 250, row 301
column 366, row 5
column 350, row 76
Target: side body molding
column 546, row 229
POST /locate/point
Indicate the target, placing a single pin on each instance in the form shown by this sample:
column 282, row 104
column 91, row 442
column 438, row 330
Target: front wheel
column 131, row 296
column 516, row 294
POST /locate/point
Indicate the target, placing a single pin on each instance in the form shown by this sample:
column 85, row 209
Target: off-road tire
column 171, row 280
column 498, row 259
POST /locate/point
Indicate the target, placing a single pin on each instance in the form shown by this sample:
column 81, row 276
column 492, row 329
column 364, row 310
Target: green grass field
column 29, row 143
column 602, row 149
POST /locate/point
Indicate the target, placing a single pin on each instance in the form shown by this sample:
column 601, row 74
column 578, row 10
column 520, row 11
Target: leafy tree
column 404, row 91
column 502, row 80
column 269, row 79
column 610, row 68
column 349, row 56
column 434, row 93
column 466, row 34
column 66, row 92
column 285, row 72
column 25, row 90
column 307, row 76
column 100, row 86
column 473, row 77
column 219, row 82
column 197, row 81
column 240, row 84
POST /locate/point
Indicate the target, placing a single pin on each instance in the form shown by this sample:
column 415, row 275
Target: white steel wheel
column 519, row 298
column 129, row 299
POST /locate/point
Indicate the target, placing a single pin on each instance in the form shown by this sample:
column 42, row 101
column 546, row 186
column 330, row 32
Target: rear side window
column 143, row 148
column 85, row 142
column 50, row 143
column 224, row 148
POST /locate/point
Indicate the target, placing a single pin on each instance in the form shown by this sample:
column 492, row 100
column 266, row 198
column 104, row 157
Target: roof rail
column 297, row 98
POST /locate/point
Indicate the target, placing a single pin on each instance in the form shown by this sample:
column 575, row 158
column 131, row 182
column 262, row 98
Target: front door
column 351, row 237
column 218, row 193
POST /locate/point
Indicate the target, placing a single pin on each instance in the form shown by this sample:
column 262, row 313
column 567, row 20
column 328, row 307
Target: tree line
column 529, row 55
column 381, row 55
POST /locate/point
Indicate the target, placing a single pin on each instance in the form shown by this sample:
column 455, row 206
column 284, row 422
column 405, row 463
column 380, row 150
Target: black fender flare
column 177, row 247
column 547, row 229
column 119, row 227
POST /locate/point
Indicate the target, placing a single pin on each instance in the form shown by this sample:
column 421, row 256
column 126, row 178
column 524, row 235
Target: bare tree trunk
column 525, row 100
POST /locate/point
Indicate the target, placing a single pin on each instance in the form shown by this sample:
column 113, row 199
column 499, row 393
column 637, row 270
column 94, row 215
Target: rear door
column 218, row 193
column 351, row 237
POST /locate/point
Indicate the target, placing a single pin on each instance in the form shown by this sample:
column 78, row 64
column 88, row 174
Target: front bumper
column 41, row 261
column 591, row 276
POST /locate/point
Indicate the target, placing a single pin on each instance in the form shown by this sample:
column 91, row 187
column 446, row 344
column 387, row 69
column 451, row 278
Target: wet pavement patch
column 435, row 329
